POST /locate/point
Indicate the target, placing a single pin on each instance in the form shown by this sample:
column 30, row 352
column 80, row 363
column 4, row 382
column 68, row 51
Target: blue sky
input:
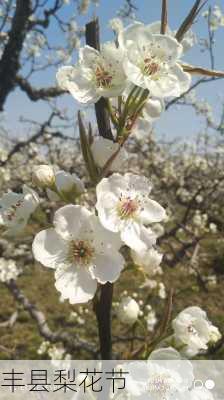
column 178, row 122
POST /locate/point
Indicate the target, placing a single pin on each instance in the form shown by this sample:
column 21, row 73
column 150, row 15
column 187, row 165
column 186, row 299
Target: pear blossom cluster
column 16, row 209
column 83, row 248
column 147, row 262
column 215, row 17
column 92, row 229
column 53, row 351
column 193, row 331
column 143, row 58
column 59, row 184
column 8, row 270
column 128, row 310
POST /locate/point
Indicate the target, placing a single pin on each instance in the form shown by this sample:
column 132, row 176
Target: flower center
column 11, row 212
column 81, row 252
column 192, row 330
column 127, row 208
column 150, row 67
column 103, row 77
column 160, row 385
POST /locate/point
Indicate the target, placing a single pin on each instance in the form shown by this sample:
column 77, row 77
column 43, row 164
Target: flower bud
column 149, row 260
column 215, row 334
column 128, row 311
column 68, row 184
column 43, row 176
column 103, row 149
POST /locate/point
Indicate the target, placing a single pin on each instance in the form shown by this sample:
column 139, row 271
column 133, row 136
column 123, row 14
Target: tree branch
column 10, row 61
column 197, row 83
column 20, row 145
column 102, row 114
column 164, row 18
column 38, row 94
column 102, row 304
column 43, row 327
column 188, row 21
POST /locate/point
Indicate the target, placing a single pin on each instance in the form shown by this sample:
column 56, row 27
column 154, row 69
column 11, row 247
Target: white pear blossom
column 124, row 206
column 161, row 290
column 128, row 310
column 151, row 111
column 152, row 60
column 43, row 176
column 151, row 319
column 215, row 334
column 116, row 25
column 52, row 196
column 81, row 251
column 103, row 149
column 189, row 40
column 199, row 393
column 216, row 17
column 8, row 270
column 142, row 129
column 56, row 352
column 149, row 260
column 193, row 331
column 213, row 227
column 158, row 229
column 60, row 358
column 43, row 348
column 16, row 209
column 159, row 379
column 165, row 353
column 153, row 108
column 67, row 183
column 96, row 74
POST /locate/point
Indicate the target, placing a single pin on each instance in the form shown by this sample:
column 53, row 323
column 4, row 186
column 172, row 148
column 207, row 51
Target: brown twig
column 164, row 18
column 101, row 109
column 10, row 61
column 194, row 70
column 36, row 94
column 22, row 144
column 161, row 332
column 188, row 21
column 103, row 303
column 71, row 344
column 10, row 322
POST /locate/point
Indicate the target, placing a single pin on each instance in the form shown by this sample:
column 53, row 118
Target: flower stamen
column 103, row 77
column 81, row 252
column 150, row 66
column 127, row 208
column 11, row 212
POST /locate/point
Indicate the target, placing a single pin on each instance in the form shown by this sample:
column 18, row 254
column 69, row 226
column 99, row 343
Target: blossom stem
column 103, row 303
column 101, row 108
column 164, row 18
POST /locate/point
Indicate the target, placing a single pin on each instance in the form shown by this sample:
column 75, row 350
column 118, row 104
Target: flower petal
column 170, row 46
column 152, row 212
column 88, row 55
column 184, row 79
column 73, row 79
column 138, row 237
column 131, row 236
column 68, row 220
column 74, row 284
column 49, row 248
column 106, row 207
column 134, row 73
column 108, row 267
column 103, row 238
